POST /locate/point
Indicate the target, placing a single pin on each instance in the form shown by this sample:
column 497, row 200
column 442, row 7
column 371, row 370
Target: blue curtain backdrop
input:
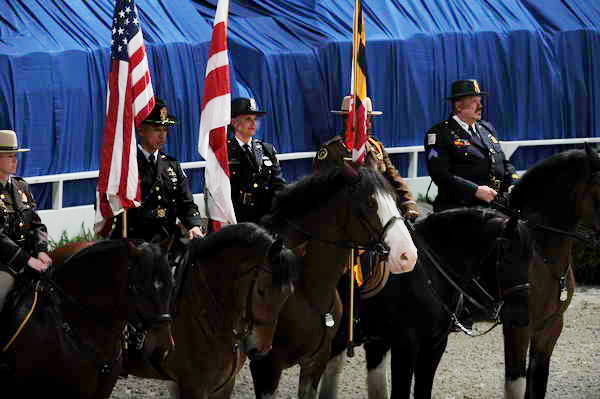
column 538, row 59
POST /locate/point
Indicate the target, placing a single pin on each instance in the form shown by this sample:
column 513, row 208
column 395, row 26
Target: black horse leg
column 375, row 353
column 428, row 359
column 542, row 346
column 265, row 376
column 516, row 342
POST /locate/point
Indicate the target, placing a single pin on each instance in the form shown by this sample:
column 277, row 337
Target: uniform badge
column 431, row 138
column 170, row 171
column 322, row 154
column 161, row 212
column 493, row 139
column 461, row 143
column 267, row 162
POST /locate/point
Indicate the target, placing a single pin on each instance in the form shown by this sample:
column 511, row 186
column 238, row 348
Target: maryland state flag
column 356, row 124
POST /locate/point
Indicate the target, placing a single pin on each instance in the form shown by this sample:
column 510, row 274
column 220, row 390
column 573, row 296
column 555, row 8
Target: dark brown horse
column 326, row 215
column 63, row 335
column 554, row 196
column 234, row 287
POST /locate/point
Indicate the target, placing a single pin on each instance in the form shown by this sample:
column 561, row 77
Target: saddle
column 20, row 304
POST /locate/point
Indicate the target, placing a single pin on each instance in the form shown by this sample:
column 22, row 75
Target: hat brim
column 17, row 150
column 257, row 113
column 374, row 113
column 471, row 94
column 166, row 123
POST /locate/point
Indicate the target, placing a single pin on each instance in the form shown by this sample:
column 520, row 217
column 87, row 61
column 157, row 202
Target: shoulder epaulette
column 332, row 140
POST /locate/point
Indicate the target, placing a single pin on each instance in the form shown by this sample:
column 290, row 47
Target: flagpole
column 350, row 351
column 124, row 223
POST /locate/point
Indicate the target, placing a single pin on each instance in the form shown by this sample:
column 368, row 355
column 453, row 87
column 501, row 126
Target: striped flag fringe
column 214, row 119
column 356, row 123
column 130, row 99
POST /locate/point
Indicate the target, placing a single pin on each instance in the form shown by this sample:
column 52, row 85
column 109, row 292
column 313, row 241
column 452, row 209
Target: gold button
column 157, row 188
column 21, row 224
column 255, row 185
column 159, row 197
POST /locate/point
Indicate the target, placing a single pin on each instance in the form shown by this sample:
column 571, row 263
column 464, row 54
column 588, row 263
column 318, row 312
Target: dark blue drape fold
column 537, row 59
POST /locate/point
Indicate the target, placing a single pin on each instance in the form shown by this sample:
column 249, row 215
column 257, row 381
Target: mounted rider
column 23, row 236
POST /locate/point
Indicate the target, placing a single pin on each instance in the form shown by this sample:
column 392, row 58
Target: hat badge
column 476, row 86
column 253, row 106
column 163, row 113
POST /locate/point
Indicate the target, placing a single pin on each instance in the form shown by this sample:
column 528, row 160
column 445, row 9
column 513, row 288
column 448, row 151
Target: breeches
column 6, row 284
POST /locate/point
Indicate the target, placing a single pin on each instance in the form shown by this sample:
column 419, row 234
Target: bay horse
column 554, row 196
column 326, row 215
column 234, row 286
column 63, row 333
column 414, row 313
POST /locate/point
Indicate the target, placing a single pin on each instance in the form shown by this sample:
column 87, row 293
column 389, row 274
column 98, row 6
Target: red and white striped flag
column 130, row 100
column 214, row 119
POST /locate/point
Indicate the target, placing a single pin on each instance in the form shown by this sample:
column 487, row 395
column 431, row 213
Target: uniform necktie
column 474, row 134
column 152, row 160
column 250, row 154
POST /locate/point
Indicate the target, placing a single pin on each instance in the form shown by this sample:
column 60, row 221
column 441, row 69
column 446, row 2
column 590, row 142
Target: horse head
column 273, row 285
column 375, row 220
column 150, row 287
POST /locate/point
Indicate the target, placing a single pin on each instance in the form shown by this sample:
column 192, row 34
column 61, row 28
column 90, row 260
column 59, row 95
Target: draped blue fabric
column 538, row 59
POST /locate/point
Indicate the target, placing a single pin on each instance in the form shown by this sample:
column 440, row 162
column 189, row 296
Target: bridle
column 376, row 244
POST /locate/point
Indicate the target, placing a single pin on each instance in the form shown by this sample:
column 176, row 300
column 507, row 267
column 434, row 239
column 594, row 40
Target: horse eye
column 371, row 202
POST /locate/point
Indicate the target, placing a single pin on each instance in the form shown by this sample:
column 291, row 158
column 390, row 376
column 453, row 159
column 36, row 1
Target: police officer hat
column 8, row 142
column 160, row 115
column 464, row 88
column 245, row 106
column 346, row 107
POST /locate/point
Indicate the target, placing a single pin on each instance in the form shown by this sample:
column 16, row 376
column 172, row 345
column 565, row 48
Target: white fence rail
column 71, row 219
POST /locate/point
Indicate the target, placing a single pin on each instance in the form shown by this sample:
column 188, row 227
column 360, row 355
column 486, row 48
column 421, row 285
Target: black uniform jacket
column 166, row 196
column 255, row 179
column 459, row 163
column 22, row 233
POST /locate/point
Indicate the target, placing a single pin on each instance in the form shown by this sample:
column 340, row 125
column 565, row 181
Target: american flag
column 356, row 124
column 215, row 117
column 130, row 100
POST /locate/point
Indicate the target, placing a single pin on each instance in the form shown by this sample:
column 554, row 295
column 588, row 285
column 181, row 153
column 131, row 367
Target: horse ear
column 593, row 156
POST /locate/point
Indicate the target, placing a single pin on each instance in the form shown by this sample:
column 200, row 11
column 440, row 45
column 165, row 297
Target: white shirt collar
column 241, row 143
column 147, row 154
column 464, row 124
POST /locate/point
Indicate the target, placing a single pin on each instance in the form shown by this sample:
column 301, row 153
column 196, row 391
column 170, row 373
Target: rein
column 378, row 246
column 587, row 238
column 423, row 247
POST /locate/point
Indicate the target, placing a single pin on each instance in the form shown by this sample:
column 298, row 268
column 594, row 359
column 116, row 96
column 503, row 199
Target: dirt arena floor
column 472, row 368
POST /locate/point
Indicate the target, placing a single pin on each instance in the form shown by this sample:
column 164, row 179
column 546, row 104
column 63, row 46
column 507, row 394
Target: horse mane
column 440, row 231
column 247, row 235
column 285, row 264
column 549, row 184
column 97, row 251
column 314, row 191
